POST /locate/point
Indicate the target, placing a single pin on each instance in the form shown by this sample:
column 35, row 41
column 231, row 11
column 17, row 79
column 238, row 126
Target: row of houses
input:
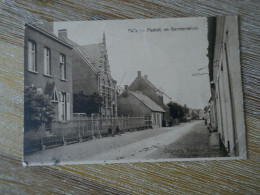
column 225, row 110
column 58, row 67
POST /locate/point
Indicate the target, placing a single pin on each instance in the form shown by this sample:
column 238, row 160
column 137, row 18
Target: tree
column 186, row 110
column 38, row 109
column 176, row 110
column 194, row 114
column 86, row 104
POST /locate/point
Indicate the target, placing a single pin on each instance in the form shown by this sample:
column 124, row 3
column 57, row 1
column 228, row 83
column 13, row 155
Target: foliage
column 176, row 110
column 86, row 104
column 186, row 110
column 194, row 115
column 38, row 109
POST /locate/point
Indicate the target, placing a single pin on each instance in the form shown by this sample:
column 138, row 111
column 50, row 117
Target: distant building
column 48, row 68
column 146, row 87
column 201, row 114
column 226, row 103
column 142, row 84
column 132, row 103
column 91, row 73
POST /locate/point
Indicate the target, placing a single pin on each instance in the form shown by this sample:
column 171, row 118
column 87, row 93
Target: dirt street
column 185, row 140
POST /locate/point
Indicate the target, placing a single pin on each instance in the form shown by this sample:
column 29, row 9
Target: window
column 47, row 61
column 54, row 97
column 32, row 56
column 62, row 67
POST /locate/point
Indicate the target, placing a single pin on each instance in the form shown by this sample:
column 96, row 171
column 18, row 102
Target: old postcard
column 146, row 90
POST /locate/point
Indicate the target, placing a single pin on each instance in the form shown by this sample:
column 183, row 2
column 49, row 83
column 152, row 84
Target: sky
column 168, row 58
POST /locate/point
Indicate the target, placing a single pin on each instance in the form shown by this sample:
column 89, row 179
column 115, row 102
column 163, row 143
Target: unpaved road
column 139, row 145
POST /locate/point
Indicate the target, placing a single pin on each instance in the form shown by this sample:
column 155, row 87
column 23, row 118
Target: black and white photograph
column 140, row 90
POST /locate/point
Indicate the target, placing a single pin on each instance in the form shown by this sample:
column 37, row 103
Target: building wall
column 141, row 85
column 227, row 80
column 128, row 105
column 97, row 81
column 107, row 89
column 156, row 118
column 38, row 79
column 84, row 79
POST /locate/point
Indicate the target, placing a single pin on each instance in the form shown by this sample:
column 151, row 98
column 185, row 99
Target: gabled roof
column 147, row 101
column 152, row 85
column 49, row 34
column 79, row 50
column 93, row 53
column 148, row 82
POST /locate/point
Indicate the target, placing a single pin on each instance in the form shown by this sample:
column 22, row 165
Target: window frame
column 55, row 94
column 47, row 61
column 62, row 67
column 32, row 59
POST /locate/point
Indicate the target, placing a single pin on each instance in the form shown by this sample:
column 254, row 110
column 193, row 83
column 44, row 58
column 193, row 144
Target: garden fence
column 81, row 128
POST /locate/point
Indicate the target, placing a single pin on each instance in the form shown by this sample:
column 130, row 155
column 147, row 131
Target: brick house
column 48, row 68
column 132, row 103
column 91, row 73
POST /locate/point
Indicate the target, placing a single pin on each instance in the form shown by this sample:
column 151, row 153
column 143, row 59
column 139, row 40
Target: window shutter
column 45, row 61
column 60, row 107
column 59, row 96
column 68, row 106
column 29, row 55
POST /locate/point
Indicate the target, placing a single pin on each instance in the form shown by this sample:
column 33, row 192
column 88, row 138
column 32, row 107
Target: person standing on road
column 109, row 131
column 117, row 130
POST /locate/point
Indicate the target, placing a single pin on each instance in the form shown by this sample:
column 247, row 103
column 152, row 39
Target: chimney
column 62, row 33
column 126, row 88
column 138, row 73
column 146, row 77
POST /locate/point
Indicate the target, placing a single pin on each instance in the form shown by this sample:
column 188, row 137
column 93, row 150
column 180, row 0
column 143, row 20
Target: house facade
column 226, row 103
column 132, row 104
column 91, row 73
column 146, row 87
column 48, row 68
